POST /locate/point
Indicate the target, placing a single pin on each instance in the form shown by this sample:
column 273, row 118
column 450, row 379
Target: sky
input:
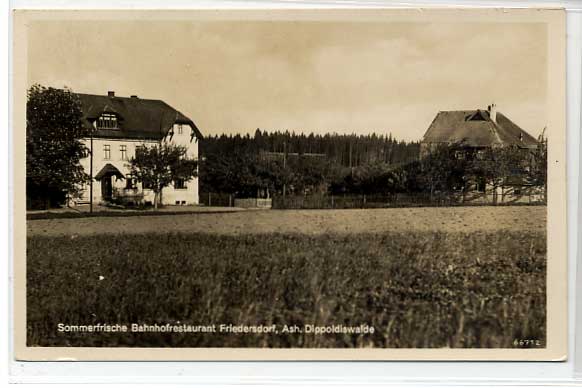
column 302, row 76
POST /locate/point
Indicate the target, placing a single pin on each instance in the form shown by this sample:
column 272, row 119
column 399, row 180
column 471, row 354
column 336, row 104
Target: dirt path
column 460, row 219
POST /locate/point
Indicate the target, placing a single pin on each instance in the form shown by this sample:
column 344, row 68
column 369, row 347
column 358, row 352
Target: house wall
column 189, row 195
column 493, row 195
column 186, row 137
column 506, row 195
column 170, row 195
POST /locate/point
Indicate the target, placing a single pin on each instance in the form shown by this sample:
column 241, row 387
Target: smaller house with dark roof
column 118, row 126
column 475, row 129
column 471, row 133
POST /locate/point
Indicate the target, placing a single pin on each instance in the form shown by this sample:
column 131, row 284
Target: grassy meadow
column 417, row 288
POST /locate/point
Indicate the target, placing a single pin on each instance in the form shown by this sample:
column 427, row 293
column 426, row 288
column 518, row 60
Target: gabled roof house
column 475, row 129
column 471, row 133
column 135, row 118
column 118, row 126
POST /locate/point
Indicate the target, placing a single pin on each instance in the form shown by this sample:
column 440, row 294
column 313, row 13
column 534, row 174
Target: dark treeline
column 275, row 163
column 345, row 150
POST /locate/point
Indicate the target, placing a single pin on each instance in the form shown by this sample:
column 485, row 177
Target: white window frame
column 123, row 152
column 106, row 151
column 107, row 121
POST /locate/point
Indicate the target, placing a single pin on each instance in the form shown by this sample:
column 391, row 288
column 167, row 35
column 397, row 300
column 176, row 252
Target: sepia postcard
column 380, row 184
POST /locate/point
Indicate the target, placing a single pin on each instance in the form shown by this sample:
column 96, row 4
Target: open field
column 452, row 219
column 432, row 277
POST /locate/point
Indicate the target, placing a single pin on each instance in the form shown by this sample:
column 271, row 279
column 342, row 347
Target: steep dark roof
column 108, row 169
column 139, row 118
column 475, row 128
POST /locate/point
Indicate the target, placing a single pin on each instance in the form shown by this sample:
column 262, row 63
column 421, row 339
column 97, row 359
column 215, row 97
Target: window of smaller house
column 480, row 155
column 106, row 152
column 107, row 121
column 147, row 184
column 180, row 129
column 123, row 152
column 179, row 184
column 459, row 155
column 516, row 191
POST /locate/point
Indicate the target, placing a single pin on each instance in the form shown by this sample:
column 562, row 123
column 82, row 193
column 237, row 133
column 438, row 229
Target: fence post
column 209, row 199
column 332, row 204
column 230, row 200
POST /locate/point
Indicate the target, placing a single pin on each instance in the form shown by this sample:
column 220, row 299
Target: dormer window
column 107, row 121
column 477, row 116
column 179, row 129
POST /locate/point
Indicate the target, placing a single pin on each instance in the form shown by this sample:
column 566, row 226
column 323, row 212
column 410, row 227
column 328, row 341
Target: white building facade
column 119, row 125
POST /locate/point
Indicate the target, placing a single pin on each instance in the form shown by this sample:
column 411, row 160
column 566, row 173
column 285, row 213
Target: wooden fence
column 351, row 201
column 229, row 200
column 399, row 200
column 358, row 201
column 253, row 203
column 217, row 199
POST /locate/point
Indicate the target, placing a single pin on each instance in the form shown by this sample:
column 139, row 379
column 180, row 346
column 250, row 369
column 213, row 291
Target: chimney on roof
column 133, row 96
column 111, row 93
column 492, row 109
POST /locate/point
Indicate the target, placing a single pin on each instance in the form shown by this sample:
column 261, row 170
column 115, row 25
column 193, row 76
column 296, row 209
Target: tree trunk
column 155, row 200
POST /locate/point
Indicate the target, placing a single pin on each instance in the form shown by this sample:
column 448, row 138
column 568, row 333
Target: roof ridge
column 450, row 125
column 122, row 97
column 458, row 110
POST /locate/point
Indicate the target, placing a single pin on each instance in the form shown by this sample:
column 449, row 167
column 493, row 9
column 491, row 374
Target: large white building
column 119, row 125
